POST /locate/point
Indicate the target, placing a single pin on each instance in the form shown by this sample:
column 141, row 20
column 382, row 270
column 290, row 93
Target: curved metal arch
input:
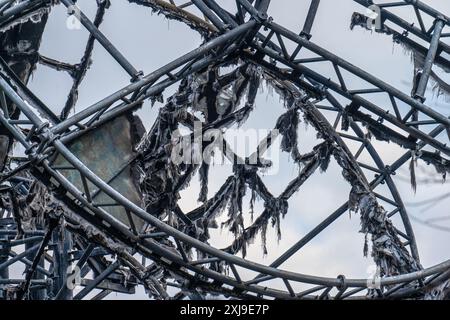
column 410, row 277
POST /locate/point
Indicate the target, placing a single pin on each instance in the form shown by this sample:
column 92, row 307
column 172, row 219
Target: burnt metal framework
column 84, row 234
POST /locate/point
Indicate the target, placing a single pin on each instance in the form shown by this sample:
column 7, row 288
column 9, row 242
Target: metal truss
column 81, row 232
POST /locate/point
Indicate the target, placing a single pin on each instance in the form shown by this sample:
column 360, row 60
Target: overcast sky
column 150, row 41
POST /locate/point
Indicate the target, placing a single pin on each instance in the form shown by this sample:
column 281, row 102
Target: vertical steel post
column 429, row 60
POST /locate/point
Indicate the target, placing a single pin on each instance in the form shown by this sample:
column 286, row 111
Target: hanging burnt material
column 216, row 96
column 417, row 52
column 114, row 161
column 388, row 251
column 79, row 71
column 171, row 11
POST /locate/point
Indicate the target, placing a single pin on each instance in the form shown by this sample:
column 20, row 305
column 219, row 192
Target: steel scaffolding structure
column 79, row 234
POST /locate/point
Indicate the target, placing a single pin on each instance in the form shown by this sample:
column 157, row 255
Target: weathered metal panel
column 108, row 151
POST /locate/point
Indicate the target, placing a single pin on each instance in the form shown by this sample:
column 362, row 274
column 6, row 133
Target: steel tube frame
column 429, row 60
column 4, row 250
column 209, row 14
column 112, row 50
column 111, row 268
column 230, row 258
column 306, row 31
column 198, row 244
column 429, row 10
column 342, row 209
column 19, row 256
column 385, row 14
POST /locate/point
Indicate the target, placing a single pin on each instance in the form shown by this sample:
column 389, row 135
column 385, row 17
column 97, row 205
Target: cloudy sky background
column 150, row 41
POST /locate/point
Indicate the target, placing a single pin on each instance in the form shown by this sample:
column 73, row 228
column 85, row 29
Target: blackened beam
column 429, row 60
column 37, row 260
column 386, row 14
column 100, row 37
column 21, row 8
column 200, row 4
column 429, row 10
column 262, row 5
column 94, row 283
column 149, row 247
column 27, row 93
column 256, row 14
column 81, row 262
column 81, row 69
column 154, row 76
column 340, row 89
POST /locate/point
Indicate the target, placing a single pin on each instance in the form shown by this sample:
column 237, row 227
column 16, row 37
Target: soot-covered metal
column 97, row 196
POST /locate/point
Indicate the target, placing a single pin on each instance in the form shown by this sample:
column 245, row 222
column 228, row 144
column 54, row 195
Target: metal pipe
column 4, row 253
column 13, row 243
column 258, row 15
column 359, row 72
column 385, row 14
column 429, row 10
column 209, row 14
column 62, row 241
column 310, row 18
column 359, row 100
column 102, row 276
column 203, row 49
column 221, row 13
column 18, row 8
column 19, row 257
